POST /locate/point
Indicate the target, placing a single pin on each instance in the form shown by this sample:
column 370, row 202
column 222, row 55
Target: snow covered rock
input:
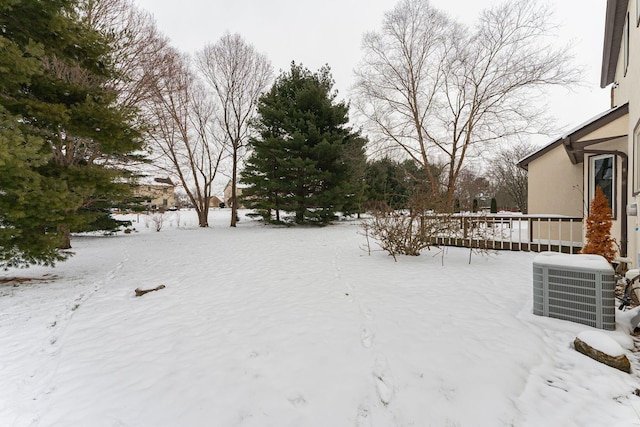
column 603, row 349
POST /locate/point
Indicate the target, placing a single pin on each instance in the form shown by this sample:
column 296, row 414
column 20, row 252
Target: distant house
column 604, row 151
column 157, row 194
column 214, row 202
column 227, row 194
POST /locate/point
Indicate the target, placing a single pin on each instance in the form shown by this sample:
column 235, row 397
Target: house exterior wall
column 617, row 127
column 156, row 196
column 545, row 195
column 227, row 195
column 627, row 89
column 556, row 185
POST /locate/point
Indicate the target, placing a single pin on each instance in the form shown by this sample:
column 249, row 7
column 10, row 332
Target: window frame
column 625, row 43
column 636, row 158
column 614, row 180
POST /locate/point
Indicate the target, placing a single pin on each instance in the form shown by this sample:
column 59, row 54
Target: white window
column 602, row 172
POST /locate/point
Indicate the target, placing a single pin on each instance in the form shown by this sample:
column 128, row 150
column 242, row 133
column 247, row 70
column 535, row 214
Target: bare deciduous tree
column 470, row 187
column 512, row 179
column 183, row 129
column 136, row 43
column 441, row 91
column 238, row 75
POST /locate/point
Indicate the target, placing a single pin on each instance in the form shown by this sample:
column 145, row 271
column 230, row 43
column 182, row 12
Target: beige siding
column 632, row 95
column 627, row 89
column 555, row 185
column 227, row 195
column 158, row 196
column 617, row 127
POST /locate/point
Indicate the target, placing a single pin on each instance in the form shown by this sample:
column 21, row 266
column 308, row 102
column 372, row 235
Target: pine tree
column 66, row 139
column 494, row 205
column 598, row 224
column 301, row 160
column 456, row 206
column 31, row 206
column 355, row 158
column 386, row 183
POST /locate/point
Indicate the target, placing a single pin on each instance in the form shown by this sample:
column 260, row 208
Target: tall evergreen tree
column 303, row 160
column 66, row 142
column 395, row 183
column 386, row 184
column 355, row 158
column 494, row 205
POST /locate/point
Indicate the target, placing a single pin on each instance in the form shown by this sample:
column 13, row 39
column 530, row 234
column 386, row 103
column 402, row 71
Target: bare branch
column 238, row 75
column 182, row 119
column 439, row 90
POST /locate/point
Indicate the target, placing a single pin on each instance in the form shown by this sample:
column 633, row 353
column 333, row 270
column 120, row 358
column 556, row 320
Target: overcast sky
column 314, row 33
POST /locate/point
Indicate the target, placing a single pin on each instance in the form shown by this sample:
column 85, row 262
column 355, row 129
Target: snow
column 297, row 326
column 575, row 261
column 602, row 343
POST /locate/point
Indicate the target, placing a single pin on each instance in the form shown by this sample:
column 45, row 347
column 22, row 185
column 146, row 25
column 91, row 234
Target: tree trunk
column 203, row 220
column 65, row 238
column 234, row 177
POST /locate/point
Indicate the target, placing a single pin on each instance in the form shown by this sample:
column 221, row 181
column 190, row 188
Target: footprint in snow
column 383, row 380
column 363, row 419
column 366, row 337
column 366, row 312
column 298, row 401
column 349, row 286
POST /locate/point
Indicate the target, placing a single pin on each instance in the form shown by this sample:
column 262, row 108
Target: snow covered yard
column 267, row 326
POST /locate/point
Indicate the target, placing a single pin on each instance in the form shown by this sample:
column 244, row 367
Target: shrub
column 598, row 224
column 407, row 232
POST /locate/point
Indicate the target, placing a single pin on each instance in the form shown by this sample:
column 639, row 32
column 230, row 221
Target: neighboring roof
column 148, row 180
column 164, row 181
column 239, row 185
column 572, row 137
column 613, row 26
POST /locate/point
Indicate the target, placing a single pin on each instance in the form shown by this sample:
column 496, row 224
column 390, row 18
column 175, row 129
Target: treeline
column 91, row 92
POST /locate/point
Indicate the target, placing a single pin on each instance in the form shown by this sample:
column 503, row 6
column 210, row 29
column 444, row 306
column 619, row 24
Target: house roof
column 239, row 184
column 153, row 181
column 613, row 26
column 164, row 181
column 574, row 140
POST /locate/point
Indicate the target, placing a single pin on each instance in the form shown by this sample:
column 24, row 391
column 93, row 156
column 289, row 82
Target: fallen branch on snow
column 140, row 292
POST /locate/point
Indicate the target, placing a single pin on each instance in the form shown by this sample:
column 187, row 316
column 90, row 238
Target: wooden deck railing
column 535, row 233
